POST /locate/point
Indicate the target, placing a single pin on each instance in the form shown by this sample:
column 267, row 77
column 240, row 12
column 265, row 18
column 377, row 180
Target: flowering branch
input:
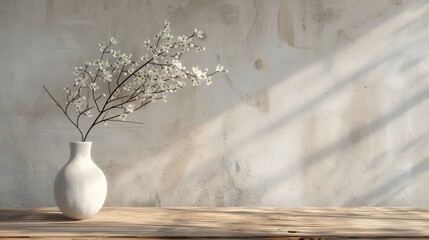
column 137, row 82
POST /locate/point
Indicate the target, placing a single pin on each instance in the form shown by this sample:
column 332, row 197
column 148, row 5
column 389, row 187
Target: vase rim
column 79, row 142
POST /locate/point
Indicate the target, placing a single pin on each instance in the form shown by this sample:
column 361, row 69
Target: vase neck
column 82, row 149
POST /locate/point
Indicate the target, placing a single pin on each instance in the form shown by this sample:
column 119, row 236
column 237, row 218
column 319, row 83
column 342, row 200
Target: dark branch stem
column 64, row 111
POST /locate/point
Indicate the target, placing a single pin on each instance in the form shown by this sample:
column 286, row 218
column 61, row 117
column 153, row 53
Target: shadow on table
column 29, row 215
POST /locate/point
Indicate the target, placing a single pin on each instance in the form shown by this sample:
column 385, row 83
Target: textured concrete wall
column 325, row 104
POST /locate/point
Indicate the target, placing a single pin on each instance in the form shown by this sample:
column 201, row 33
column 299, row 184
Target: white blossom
column 76, row 71
column 107, row 76
column 115, row 94
column 80, row 81
column 97, row 62
column 102, row 46
column 199, row 73
column 130, row 108
column 117, row 54
column 180, row 84
column 199, row 33
column 113, row 40
column 200, row 49
column 141, row 98
column 128, row 86
column 123, row 116
column 78, row 103
column 93, row 86
column 67, row 89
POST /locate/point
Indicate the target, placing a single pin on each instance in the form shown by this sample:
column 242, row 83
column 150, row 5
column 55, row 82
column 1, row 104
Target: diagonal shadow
column 395, row 182
column 358, row 134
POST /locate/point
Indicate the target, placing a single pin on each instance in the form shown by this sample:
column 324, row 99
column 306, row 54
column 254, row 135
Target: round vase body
column 80, row 187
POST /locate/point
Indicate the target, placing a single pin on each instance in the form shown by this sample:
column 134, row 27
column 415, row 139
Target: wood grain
column 221, row 223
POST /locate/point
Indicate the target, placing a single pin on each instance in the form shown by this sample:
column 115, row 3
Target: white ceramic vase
column 80, row 187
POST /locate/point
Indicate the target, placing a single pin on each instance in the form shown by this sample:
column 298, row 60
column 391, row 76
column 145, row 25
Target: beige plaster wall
column 325, row 103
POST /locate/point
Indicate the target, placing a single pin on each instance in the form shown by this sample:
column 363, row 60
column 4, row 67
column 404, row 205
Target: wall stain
column 258, row 28
column 342, row 34
column 396, row 2
column 259, row 64
column 259, row 100
column 230, row 14
column 285, row 28
column 323, row 16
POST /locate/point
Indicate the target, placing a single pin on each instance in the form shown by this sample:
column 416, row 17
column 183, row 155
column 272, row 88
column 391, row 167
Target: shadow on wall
column 266, row 76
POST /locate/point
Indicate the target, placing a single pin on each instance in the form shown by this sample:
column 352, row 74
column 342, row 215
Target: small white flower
column 89, row 114
column 123, row 116
column 78, row 103
column 200, row 74
column 67, row 89
column 107, row 76
column 125, row 59
column 209, row 81
column 93, row 86
column 76, row 71
column 219, row 67
column 144, row 57
column 80, row 81
column 113, row 40
column 141, row 97
column 128, row 86
column 115, row 94
column 180, row 84
column 125, row 56
column 117, row 54
column 200, row 49
column 200, row 34
column 195, row 82
column 196, row 69
column 130, row 108
column 102, row 46
column 172, row 88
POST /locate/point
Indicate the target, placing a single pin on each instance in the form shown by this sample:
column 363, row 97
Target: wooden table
column 219, row 223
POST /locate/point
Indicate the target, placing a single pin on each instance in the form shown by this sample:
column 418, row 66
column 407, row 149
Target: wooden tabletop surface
column 221, row 223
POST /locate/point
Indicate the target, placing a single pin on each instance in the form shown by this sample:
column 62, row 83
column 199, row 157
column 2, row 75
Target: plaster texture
column 325, row 103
